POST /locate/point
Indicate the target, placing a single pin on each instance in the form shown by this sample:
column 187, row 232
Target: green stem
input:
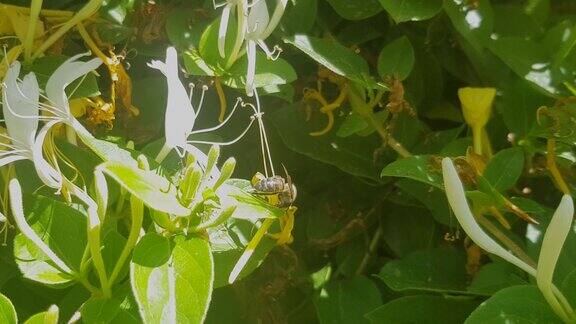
column 137, row 207
column 387, row 137
column 88, row 10
column 35, row 8
column 94, row 241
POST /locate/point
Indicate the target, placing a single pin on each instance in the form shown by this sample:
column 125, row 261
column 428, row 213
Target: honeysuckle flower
column 58, row 110
column 260, row 26
column 552, row 243
column 477, row 107
column 180, row 115
column 20, row 106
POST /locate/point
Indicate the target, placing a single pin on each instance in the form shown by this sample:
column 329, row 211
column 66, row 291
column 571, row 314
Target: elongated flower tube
column 228, row 8
column 260, row 26
column 20, row 106
column 553, row 241
column 457, row 199
column 554, row 238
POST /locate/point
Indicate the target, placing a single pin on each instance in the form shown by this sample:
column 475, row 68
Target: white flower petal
column 20, row 106
column 46, row 172
column 554, row 238
column 180, row 115
column 251, row 70
column 258, row 20
column 65, row 74
column 276, row 16
column 457, row 199
column 223, row 29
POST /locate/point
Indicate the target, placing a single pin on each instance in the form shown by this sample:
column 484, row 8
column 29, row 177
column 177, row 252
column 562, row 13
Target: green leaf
column 505, row 168
column 418, row 167
column 407, row 230
column 182, row 33
column 357, row 9
column 335, row 57
column 154, row 190
column 228, row 245
column 474, row 22
column 60, row 226
column 153, row 250
column 300, row 16
column 353, row 124
column 268, row 72
column 437, row 270
column 7, row 312
column 432, row 198
column 411, row 10
column 495, row 276
column 120, row 308
column 569, row 287
column 345, row 153
column 346, row 301
column 423, row 309
column 518, row 304
column 530, row 61
column 396, row 59
column 48, row 317
column 518, row 107
column 107, row 151
column 45, row 66
column 178, row 291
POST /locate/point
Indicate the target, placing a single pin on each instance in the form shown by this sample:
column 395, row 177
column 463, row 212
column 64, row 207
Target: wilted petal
column 457, row 199
column 65, row 74
column 20, row 106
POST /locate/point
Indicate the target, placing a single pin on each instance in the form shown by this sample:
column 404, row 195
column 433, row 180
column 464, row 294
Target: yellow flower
column 476, row 105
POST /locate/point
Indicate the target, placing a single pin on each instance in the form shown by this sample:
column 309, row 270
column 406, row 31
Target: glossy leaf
column 518, row 304
column 7, row 312
column 505, row 168
column 154, row 190
column 438, row 270
column 411, row 10
column 356, row 10
column 423, row 309
column 396, row 59
column 178, row 290
column 60, row 226
column 347, row 301
column 420, row 168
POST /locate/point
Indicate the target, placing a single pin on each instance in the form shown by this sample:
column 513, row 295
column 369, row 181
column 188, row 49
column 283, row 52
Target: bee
column 279, row 191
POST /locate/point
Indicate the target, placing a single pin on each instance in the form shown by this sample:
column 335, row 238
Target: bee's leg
column 250, row 248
